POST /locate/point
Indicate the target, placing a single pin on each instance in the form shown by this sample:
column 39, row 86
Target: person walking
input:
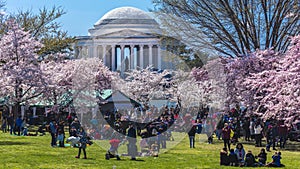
column 76, row 124
column 11, row 123
column 283, row 133
column 19, row 122
column 258, row 134
column 192, row 134
column 246, row 127
column 61, row 134
column 131, row 137
column 83, row 142
column 52, row 130
column 226, row 135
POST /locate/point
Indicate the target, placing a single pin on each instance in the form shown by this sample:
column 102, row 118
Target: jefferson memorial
column 124, row 38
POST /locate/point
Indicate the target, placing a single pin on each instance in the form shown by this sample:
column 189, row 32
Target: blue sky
column 81, row 14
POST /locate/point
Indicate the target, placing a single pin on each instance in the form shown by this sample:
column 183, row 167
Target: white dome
column 124, row 13
column 125, row 18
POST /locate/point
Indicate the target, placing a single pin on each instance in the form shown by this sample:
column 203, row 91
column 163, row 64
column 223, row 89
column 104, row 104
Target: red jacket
column 226, row 132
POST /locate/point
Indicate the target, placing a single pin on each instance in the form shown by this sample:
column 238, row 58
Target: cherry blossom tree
column 210, row 82
column 21, row 77
column 76, row 80
column 60, row 81
column 238, row 70
column 277, row 89
column 144, row 84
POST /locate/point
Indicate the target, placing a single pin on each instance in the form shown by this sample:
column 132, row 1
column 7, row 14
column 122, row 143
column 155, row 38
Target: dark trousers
column 53, row 139
column 282, row 140
column 227, row 143
column 18, row 129
column 192, row 141
column 258, row 140
column 247, row 135
column 11, row 131
column 79, row 152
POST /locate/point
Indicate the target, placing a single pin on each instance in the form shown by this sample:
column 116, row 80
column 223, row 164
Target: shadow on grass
column 2, row 143
column 138, row 160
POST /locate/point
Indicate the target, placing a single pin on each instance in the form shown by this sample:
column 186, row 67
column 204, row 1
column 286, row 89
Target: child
column 233, row 160
column 154, row 150
column 83, row 142
column 113, row 150
column 224, row 160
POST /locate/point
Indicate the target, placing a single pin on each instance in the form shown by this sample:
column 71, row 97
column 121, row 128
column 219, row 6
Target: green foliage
column 188, row 57
column 44, row 27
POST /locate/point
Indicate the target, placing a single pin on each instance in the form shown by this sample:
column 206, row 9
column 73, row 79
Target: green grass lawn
column 36, row 152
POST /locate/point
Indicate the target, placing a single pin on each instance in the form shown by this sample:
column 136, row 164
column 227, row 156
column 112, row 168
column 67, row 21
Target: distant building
column 124, row 38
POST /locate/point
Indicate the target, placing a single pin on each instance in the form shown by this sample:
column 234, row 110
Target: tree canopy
column 44, row 27
column 232, row 27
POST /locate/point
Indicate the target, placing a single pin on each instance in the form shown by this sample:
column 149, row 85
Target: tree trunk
column 17, row 110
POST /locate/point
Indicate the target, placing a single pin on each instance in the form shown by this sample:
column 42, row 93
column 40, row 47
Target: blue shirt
column 276, row 160
column 19, row 122
column 52, row 128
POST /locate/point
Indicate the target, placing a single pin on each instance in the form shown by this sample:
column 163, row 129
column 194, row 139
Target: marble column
column 95, row 51
column 131, row 57
column 141, row 56
column 104, row 54
column 150, row 55
column 80, row 51
column 113, row 57
column 77, row 52
column 86, row 52
column 158, row 57
column 91, row 51
column 122, row 60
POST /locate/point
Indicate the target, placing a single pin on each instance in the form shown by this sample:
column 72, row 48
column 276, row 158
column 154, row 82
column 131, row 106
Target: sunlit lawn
column 36, row 152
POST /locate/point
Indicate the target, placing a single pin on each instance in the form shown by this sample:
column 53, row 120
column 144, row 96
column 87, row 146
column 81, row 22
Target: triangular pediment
column 127, row 33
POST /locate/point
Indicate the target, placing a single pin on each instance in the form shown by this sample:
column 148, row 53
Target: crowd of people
column 154, row 127
column 239, row 157
column 234, row 124
column 15, row 126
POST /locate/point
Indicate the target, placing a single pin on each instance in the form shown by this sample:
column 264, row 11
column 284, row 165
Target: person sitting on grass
column 224, row 159
column 276, row 160
column 240, row 152
column 233, row 159
column 154, row 150
column 250, row 160
column 262, row 157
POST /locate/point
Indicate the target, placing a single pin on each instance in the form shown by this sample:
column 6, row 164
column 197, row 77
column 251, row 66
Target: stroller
column 113, row 150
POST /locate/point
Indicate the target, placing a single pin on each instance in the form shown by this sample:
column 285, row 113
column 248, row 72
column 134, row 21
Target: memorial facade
column 124, row 38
